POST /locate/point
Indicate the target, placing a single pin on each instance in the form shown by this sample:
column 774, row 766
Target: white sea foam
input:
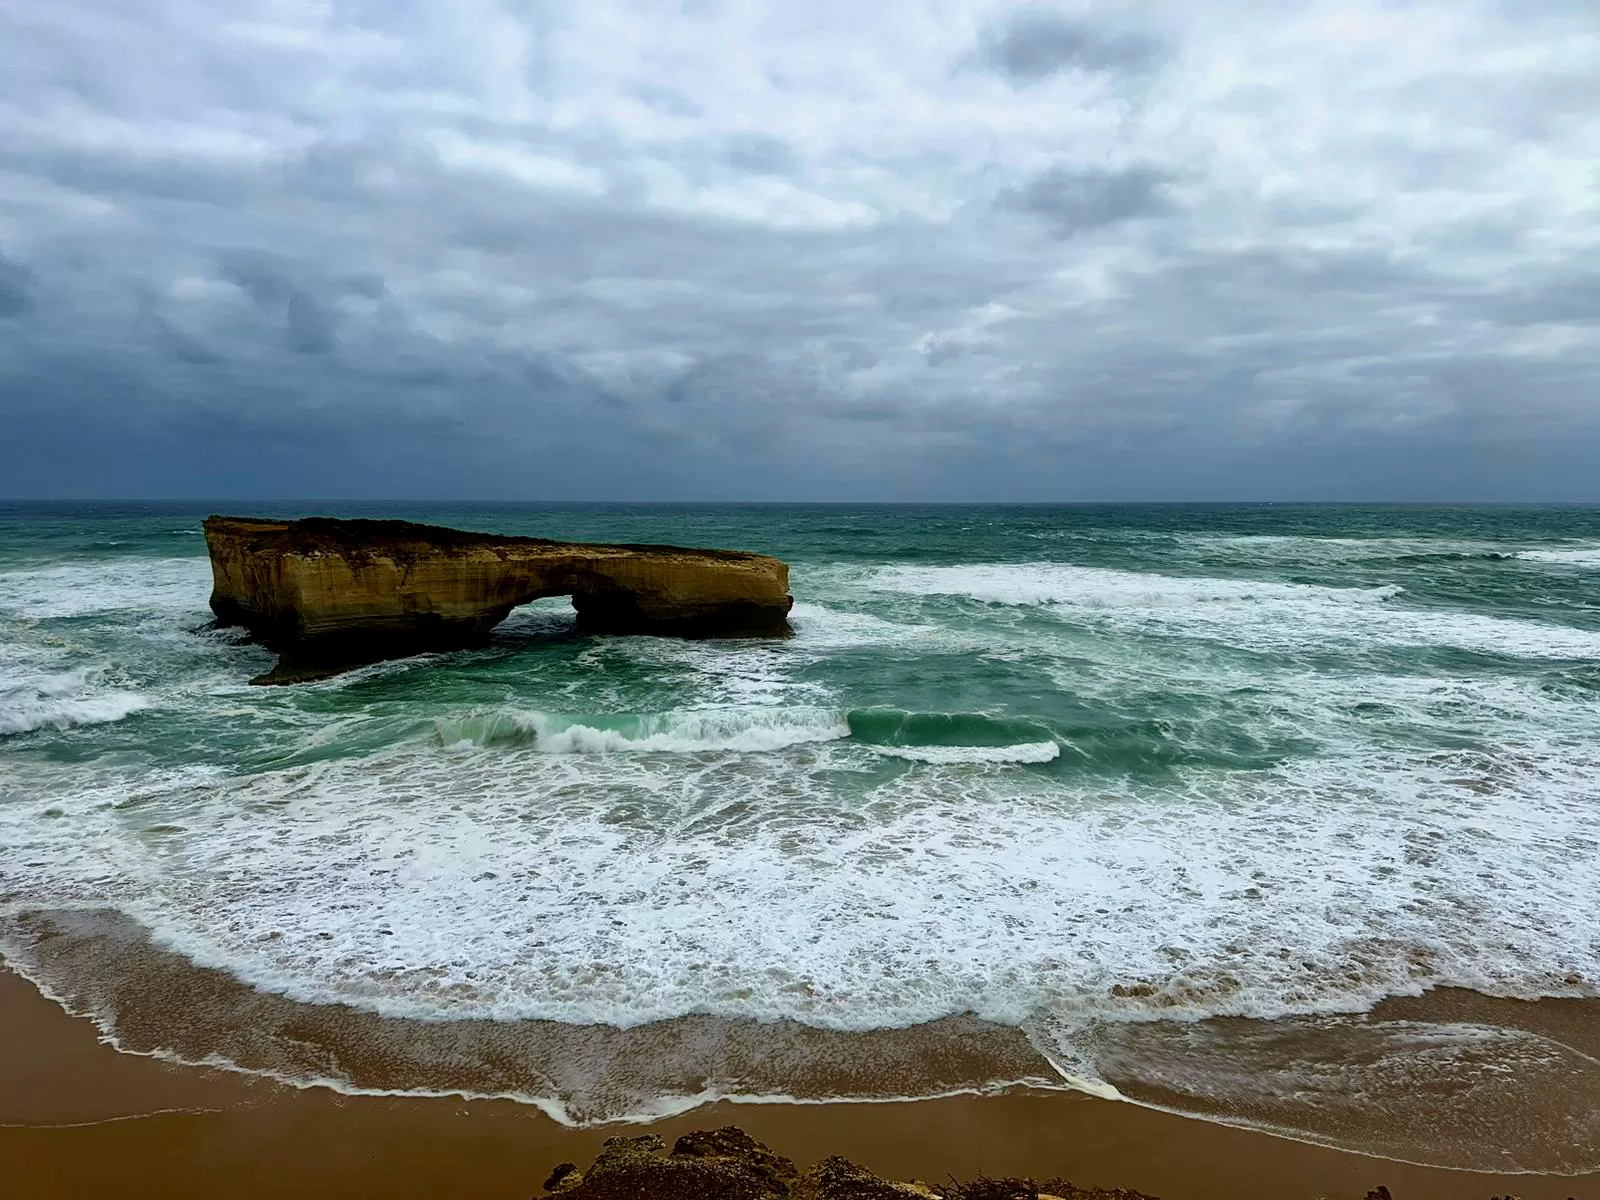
column 1333, row 550
column 625, row 890
column 1260, row 614
column 168, row 585
column 574, row 1078
column 739, row 730
column 1589, row 557
column 36, row 693
column 1457, row 1093
column 21, row 712
column 1104, row 588
column 819, row 627
column 1026, row 752
column 766, row 673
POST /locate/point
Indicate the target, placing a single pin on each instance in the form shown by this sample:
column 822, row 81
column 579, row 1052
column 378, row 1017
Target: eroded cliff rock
column 329, row 594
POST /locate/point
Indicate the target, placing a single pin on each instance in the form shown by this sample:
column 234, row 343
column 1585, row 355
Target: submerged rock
column 729, row 1164
column 329, row 594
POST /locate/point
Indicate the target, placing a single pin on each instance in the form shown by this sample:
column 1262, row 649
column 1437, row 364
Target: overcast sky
column 831, row 249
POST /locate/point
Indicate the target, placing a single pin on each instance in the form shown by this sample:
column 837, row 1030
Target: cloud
column 16, row 288
column 763, row 251
column 1073, row 199
column 1563, row 298
column 1036, row 43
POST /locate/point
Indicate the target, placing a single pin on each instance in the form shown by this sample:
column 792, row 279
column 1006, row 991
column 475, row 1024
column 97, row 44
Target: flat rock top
column 408, row 539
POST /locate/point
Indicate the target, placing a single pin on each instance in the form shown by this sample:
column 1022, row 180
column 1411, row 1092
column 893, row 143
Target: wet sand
column 79, row 1119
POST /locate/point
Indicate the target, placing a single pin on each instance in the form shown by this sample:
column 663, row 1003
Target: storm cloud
column 1150, row 249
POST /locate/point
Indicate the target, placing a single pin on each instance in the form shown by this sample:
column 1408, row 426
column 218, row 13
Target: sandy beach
column 77, row 1118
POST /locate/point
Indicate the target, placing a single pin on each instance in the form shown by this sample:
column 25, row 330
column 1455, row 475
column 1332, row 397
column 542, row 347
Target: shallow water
column 1088, row 781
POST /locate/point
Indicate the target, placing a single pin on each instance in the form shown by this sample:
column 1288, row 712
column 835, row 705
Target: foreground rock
column 729, row 1164
column 329, row 594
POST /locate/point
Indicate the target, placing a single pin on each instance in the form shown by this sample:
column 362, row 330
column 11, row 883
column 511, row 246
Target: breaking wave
column 1567, row 558
column 925, row 737
column 748, row 730
column 63, row 701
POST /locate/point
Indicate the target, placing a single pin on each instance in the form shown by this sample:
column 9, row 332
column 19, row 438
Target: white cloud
column 515, row 164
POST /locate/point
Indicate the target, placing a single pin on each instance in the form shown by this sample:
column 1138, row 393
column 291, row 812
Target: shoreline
column 77, row 1116
column 1449, row 1079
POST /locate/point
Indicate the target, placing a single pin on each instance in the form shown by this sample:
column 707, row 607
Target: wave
column 1333, row 551
column 1250, row 614
column 947, row 738
column 1466, row 1088
column 1035, row 584
column 100, row 966
column 750, row 730
column 435, row 887
column 63, row 701
column 926, row 737
column 628, row 891
column 1027, row 752
column 168, row 585
column 1568, row 558
column 1447, row 556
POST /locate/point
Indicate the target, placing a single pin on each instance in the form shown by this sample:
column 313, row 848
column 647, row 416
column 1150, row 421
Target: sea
column 1285, row 816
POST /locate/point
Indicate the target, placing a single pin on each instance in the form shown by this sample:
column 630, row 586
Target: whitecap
column 168, row 585
column 1248, row 613
column 1567, row 558
column 1027, row 752
column 63, row 701
column 738, row 730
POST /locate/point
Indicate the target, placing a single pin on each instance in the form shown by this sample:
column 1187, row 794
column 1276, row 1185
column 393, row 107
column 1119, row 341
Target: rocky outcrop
column 329, row 594
column 729, row 1164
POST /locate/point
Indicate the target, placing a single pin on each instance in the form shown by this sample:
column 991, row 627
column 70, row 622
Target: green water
column 1057, row 767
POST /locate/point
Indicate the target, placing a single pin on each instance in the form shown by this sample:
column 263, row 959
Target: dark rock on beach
column 729, row 1164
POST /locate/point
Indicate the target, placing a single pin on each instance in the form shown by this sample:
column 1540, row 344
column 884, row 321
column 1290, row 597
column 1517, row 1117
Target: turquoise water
column 1068, row 769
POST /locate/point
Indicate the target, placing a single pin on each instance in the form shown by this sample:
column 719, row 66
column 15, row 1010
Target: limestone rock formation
column 329, row 594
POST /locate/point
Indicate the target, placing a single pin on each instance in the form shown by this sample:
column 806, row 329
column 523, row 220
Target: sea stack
column 327, row 594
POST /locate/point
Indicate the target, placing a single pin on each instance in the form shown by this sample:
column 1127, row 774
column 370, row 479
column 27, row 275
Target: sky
column 723, row 250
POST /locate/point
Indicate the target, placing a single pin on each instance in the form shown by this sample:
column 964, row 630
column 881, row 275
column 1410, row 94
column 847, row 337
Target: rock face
column 729, row 1164
column 329, row 594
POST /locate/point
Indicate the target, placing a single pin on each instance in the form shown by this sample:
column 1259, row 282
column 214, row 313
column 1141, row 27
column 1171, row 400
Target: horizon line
column 309, row 500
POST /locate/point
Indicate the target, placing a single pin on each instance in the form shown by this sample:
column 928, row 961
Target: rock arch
column 328, row 594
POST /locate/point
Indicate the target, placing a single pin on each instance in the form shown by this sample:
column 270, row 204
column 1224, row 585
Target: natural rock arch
column 329, row 594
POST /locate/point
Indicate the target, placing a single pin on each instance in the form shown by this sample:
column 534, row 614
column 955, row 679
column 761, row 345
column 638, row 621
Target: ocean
column 1274, row 815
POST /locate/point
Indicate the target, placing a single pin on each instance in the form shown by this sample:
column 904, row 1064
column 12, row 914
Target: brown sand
column 78, row 1119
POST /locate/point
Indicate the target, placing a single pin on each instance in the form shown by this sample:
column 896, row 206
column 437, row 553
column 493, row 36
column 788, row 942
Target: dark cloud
column 268, row 282
column 1568, row 299
column 16, row 288
column 593, row 251
column 309, row 326
column 1076, row 199
column 304, row 299
column 1034, row 44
